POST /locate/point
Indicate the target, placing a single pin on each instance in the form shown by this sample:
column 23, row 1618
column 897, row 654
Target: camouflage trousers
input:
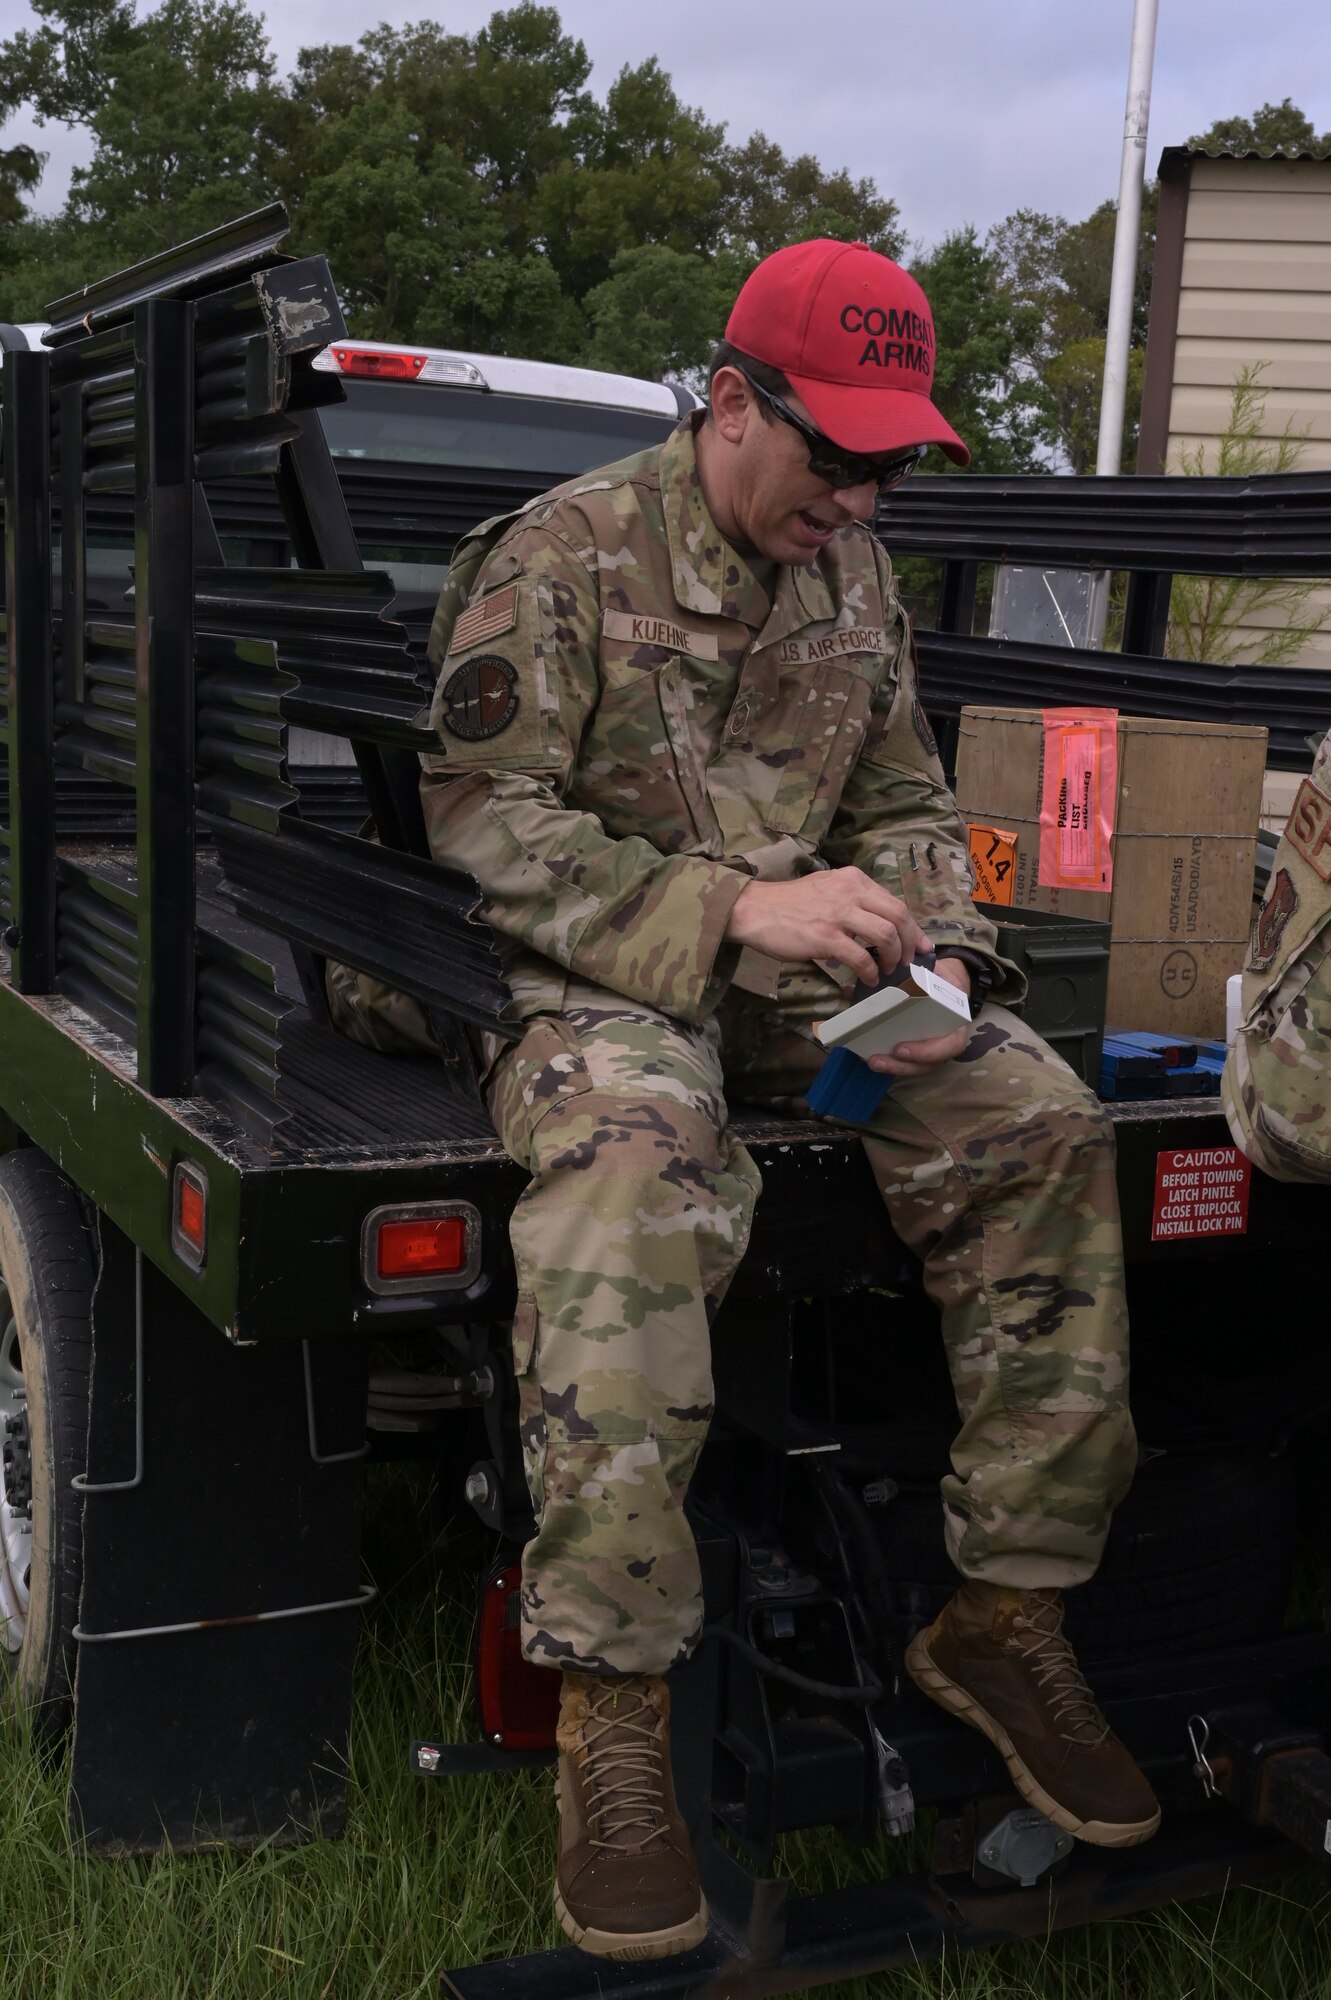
column 997, row 1170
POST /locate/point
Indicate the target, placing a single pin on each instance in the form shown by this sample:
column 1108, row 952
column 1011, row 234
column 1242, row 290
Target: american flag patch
column 489, row 619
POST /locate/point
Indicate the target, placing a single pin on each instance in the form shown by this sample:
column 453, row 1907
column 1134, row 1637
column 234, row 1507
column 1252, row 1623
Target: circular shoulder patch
column 480, row 697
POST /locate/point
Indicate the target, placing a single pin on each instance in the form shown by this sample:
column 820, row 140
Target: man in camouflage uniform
column 1277, row 1082
column 680, row 747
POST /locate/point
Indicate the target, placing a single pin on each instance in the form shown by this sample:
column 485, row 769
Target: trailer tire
column 48, row 1268
column 1200, row 1556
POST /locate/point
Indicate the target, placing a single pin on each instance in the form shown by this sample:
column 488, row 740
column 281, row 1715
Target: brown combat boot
column 999, row 1660
column 627, row 1883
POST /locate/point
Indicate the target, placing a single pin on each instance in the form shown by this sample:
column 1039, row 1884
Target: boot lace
column 624, row 1743
column 1039, row 1633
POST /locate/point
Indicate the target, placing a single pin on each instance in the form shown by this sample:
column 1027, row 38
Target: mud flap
column 222, row 1482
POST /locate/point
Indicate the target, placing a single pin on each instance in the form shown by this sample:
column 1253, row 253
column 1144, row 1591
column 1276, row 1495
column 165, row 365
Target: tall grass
column 439, row 1873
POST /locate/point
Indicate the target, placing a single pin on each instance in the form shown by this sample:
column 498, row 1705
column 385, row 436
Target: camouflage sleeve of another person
column 898, row 821
column 515, row 691
column 1277, row 1082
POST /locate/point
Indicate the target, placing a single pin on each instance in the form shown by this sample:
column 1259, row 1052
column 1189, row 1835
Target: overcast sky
column 960, row 109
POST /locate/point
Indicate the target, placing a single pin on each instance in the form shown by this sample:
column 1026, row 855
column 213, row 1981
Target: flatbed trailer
column 211, row 1350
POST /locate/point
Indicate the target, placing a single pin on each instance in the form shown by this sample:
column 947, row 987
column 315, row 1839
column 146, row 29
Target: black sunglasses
column 831, row 461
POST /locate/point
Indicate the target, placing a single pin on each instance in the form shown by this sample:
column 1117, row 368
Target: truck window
column 417, row 423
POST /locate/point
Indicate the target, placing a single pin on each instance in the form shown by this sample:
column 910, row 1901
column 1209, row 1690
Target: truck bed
column 287, row 1205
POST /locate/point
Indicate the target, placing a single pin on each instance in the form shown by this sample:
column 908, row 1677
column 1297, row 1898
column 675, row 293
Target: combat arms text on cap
column 853, row 335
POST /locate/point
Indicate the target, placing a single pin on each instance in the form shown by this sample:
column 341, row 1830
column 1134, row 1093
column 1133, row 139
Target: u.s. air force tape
column 480, row 698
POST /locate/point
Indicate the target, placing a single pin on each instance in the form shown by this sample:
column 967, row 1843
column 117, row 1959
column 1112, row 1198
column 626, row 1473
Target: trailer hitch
column 1276, row 1772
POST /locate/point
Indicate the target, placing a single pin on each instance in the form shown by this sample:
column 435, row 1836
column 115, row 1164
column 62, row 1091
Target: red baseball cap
column 853, row 335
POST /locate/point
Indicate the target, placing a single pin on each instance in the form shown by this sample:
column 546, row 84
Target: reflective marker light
column 519, row 1703
column 422, row 1246
column 189, row 1214
column 388, row 365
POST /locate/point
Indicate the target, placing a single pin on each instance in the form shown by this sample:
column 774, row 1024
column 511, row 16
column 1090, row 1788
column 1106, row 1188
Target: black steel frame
column 191, row 369
column 1274, row 525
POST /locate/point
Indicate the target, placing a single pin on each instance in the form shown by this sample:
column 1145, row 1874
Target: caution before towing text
column 1201, row 1192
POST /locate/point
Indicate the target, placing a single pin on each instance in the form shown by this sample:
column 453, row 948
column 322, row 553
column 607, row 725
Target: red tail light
column 189, row 1214
column 519, row 1703
column 422, row 1249
column 421, row 1246
column 396, row 366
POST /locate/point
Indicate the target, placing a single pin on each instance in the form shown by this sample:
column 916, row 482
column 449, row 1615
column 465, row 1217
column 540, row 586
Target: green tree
column 20, row 171
column 468, row 189
column 657, row 313
column 1059, row 274
column 173, row 104
column 983, row 331
column 769, row 201
column 1073, row 381
column 649, row 172
column 63, row 68
column 1267, row 130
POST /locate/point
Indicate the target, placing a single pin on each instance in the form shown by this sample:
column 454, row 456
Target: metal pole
column 1123, row 281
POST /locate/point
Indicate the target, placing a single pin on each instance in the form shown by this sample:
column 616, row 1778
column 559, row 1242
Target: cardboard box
column 1186, row 811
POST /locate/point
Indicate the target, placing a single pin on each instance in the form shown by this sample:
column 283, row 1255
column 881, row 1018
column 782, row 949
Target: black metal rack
column 164, row 711
column 1273, row 525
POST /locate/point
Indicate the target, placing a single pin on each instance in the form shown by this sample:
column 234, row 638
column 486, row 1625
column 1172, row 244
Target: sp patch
column 922, row 729
column 1309, row 829
column 480, row 698
column 1281, row 902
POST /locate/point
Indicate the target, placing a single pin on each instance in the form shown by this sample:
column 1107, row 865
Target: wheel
column 48, row 1265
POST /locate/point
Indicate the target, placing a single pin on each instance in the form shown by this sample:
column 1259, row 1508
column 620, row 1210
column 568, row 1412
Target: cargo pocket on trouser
column 624, row 1242
column 999, row 1172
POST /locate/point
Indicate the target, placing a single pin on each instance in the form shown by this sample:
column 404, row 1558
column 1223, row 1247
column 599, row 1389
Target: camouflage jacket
column 1277, row 1082
column 629, row 731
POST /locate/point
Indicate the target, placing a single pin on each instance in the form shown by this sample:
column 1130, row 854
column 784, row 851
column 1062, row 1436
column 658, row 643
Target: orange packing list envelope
column 1077, row 798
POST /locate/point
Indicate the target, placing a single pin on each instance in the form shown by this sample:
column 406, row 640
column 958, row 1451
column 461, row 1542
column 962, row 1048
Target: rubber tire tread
column 1200, row 1556
column 49, row 1255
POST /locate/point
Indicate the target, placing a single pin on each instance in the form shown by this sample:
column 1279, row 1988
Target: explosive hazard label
column 1202, row 1192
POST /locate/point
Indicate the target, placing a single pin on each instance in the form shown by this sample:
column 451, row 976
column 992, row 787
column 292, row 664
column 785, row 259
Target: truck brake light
column 395, row 365
column 421, row 1247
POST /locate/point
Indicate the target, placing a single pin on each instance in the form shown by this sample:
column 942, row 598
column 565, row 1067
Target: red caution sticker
column 1201, row 1192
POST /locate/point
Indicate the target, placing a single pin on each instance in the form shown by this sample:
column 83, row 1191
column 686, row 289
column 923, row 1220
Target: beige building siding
column 1256, row 288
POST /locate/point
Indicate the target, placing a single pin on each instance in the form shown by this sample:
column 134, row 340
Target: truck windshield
column 419, row 423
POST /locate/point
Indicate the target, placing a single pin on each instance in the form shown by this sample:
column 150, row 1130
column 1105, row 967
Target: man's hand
column 918, row 1058
column 838, row 913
